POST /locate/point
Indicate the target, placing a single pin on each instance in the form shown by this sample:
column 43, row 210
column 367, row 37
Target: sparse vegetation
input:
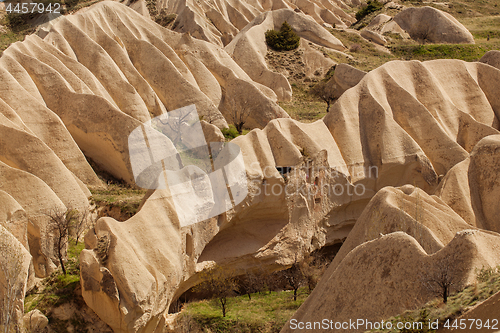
column 284, row 40
column 371, row 6
column 164, row 19
column 118, row 200
column 304, row 106
column 488, row 284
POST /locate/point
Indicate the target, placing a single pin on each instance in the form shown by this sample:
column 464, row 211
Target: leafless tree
column 11, row 264
column 220, row 284
column 445, row 278
column 174, row 122
column 80, row 224
column 239, row 113
column 60, row 224
column 295, row 277
column 324, row 92
column 252, row 282
column 313, row 269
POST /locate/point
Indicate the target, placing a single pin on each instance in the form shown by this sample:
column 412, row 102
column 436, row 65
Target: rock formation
column 86, row 81
column 14, row 267
column 249, row 47
column 124, row 90
column 344, row 77
column 220, row 22
column 381, row 25
column 433, row 25
column 308, row 185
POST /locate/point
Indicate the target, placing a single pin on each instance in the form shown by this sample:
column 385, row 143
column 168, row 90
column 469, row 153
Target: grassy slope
column 264, row 313
column 304, row 106
column 488, row 285
column 126, row 199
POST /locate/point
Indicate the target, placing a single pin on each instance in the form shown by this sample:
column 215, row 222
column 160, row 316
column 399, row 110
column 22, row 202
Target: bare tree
column 60, row 224
column 11, row 264
column 313, row 269
column 239, row 113
column 324, row 92
column 80, row 224
column 252, row 282
column 220, row 284
column 295, row 277
column 445, row 278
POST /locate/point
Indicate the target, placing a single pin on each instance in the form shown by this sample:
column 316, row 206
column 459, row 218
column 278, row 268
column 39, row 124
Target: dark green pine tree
column 289, row 38
column 286, row 39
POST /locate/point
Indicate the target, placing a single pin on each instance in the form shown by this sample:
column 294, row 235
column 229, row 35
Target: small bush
column 371, row 6
column 230, row 133
column 284, row 40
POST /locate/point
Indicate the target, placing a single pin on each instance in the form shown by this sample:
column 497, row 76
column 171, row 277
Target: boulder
column 35, row 321
column 344, row 77
column 374, row 37
column 378, row 20
column 491, row 58
column 433, row 26
column 212, row 132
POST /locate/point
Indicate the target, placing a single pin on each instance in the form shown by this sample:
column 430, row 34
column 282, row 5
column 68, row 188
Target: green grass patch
column 265, row 313
column 126, row 199
column 304, row 106
column 466, row 52
column 488, row 284
column 10, row 37
column 231, row 132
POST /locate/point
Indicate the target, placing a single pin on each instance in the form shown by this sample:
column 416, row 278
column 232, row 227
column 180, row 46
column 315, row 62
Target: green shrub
column 284, row 40
column 230, row 133
column 371, row 6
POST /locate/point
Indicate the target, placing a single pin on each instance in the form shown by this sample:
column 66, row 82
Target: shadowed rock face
column 405, row 122
column 433, row 25
column 220, row 22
